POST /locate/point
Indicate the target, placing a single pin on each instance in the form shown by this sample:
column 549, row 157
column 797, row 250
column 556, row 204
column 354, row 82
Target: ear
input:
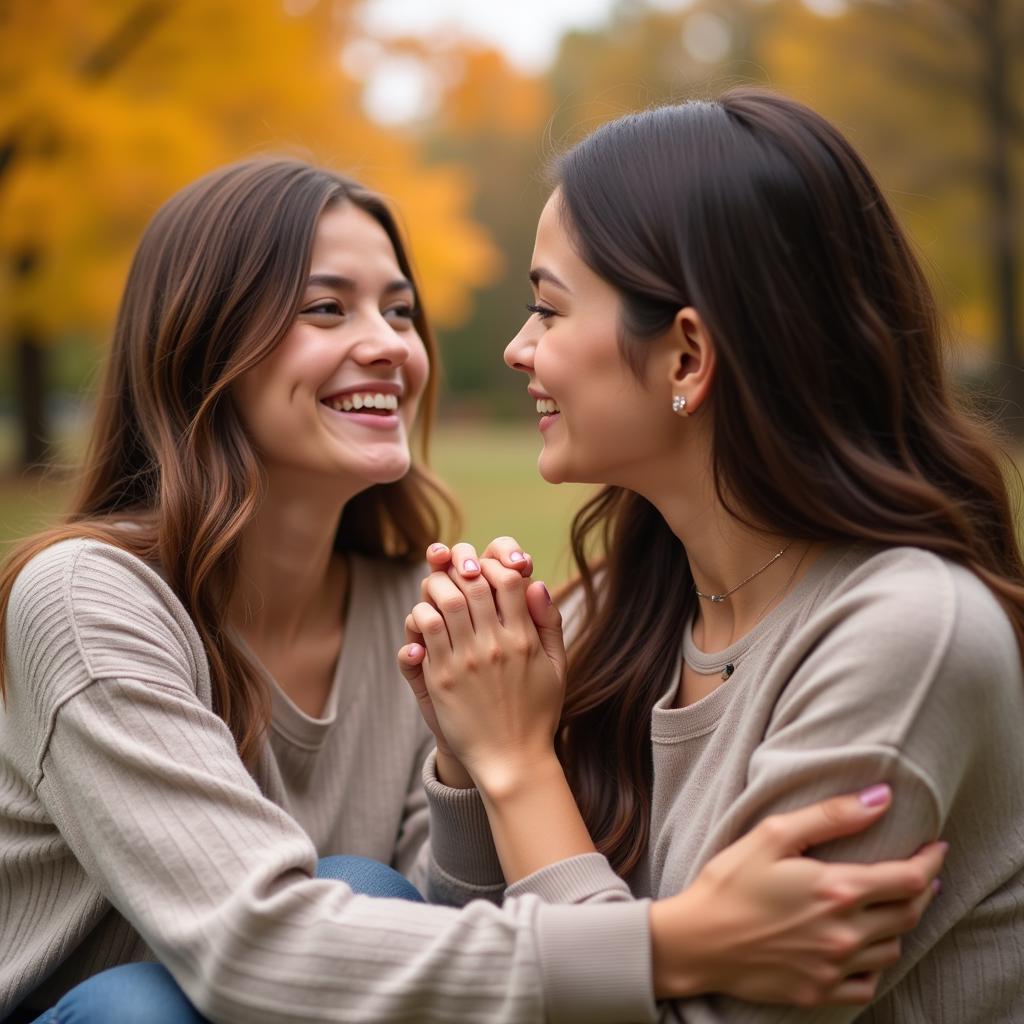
column 692, row 358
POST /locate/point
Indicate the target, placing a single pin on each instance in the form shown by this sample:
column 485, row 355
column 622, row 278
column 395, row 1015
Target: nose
column 519, row 351
column 381, row 345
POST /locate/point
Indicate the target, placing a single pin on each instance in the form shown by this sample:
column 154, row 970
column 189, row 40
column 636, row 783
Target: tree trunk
column 1001, row 203
column 31, row 384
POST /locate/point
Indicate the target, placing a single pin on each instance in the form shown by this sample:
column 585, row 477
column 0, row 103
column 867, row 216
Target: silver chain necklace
column 719, row 598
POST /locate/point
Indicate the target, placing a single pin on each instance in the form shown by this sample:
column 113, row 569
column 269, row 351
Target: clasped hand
column 486, row 660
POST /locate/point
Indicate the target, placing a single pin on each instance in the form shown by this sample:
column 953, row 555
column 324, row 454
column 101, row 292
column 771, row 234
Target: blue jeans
column 146, row 992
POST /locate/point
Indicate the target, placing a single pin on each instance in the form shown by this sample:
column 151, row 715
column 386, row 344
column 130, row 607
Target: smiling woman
column 201, row 701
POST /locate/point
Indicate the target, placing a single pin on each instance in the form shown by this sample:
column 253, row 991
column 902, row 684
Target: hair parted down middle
column 170, row 474
column 832, row 417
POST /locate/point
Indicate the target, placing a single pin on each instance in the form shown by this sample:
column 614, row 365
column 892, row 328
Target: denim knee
column 126, row 995
column 369, row 877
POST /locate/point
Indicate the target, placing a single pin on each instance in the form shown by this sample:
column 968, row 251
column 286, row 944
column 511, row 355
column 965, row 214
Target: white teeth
column 546, row 406
column 367, row 400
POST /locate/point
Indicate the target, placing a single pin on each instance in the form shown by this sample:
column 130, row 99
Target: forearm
column 516, row 801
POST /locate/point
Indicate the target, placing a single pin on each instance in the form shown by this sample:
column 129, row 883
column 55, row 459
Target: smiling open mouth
column 363, row 402
column 547, row 406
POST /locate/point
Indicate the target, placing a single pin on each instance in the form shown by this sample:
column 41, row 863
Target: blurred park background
column 453, row 109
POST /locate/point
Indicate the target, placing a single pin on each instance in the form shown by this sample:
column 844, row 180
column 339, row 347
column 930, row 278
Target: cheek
column 416, row 374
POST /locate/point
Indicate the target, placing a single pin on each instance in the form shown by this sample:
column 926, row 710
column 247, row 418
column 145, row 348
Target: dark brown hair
column 832, row 416
column 170, row 474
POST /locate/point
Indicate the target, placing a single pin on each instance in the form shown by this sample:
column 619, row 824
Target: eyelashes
column 332, row 308
column 541, row 311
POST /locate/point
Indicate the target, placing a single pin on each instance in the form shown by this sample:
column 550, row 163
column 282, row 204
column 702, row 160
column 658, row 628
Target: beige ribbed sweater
column 130, row 829
column 882, row 666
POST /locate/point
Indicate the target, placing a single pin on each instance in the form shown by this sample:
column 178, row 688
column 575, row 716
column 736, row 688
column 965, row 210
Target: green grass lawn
column 492, row 469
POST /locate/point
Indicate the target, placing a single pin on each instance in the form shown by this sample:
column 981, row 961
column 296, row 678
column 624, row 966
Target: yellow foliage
column 209, row 82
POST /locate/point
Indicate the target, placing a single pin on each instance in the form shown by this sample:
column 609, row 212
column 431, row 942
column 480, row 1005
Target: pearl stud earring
column 679, row 405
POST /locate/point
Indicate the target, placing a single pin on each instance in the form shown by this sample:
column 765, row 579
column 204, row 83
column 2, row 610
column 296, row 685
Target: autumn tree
column 112, row 106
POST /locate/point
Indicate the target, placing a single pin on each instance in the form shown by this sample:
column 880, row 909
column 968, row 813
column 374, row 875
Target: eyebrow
column 341, row 284
column 539, row 274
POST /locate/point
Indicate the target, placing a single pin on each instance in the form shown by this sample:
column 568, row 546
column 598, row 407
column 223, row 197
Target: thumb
column 792, row 833
column 548, row 620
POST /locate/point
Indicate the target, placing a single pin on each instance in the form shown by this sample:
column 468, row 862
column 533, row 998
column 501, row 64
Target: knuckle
column 444, row 680
column 477, row 587
column 452, row 604
column 807, row 995
column 892, row 952
column 495, row 654
column 507, row 579
column 917, row 879
column 840, row 895
column 828, row 975
column 772, row 828
column 470, row 663
column 832, row 810
column 522, row 644
column 842, row 944
column 865, row 994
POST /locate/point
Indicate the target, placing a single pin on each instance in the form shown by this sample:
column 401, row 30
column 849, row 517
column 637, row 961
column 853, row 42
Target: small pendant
column 728, row 671
column 717, row 598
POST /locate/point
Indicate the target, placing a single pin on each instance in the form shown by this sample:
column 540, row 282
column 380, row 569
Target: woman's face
column 609, row 427
column 338, row 396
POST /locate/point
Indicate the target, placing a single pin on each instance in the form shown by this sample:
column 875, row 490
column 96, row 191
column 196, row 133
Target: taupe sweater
column 892, row 666
column 130, row 829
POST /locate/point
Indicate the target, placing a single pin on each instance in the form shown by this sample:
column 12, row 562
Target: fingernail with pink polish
column 470, row 566
column 516, row 557
column 438, row 548
column 547, row 593
column 875, row 795
column 415, row 650
column 936, row 886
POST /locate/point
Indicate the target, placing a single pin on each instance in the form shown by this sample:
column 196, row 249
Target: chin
column 389, row 473
column 551, row 470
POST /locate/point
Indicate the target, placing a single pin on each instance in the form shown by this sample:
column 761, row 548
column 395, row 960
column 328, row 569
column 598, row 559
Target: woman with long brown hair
column 200, row 691
column 810, row 575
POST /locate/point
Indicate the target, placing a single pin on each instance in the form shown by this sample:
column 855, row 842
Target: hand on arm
column 765, row 924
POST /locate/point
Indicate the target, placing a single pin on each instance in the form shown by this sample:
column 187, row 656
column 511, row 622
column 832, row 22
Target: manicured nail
column 875, row 795
column 415, row 650
column 936, row 886
column 547, row 593
column 470, row 566
column 436, row 549
column 517, row 556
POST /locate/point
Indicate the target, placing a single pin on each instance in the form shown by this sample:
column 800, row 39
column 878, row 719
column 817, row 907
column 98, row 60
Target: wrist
column 676, row 962
column 508, row 779
column 451, row 772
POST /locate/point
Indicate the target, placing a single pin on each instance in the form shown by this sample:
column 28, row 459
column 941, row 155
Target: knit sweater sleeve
column 143, row 782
